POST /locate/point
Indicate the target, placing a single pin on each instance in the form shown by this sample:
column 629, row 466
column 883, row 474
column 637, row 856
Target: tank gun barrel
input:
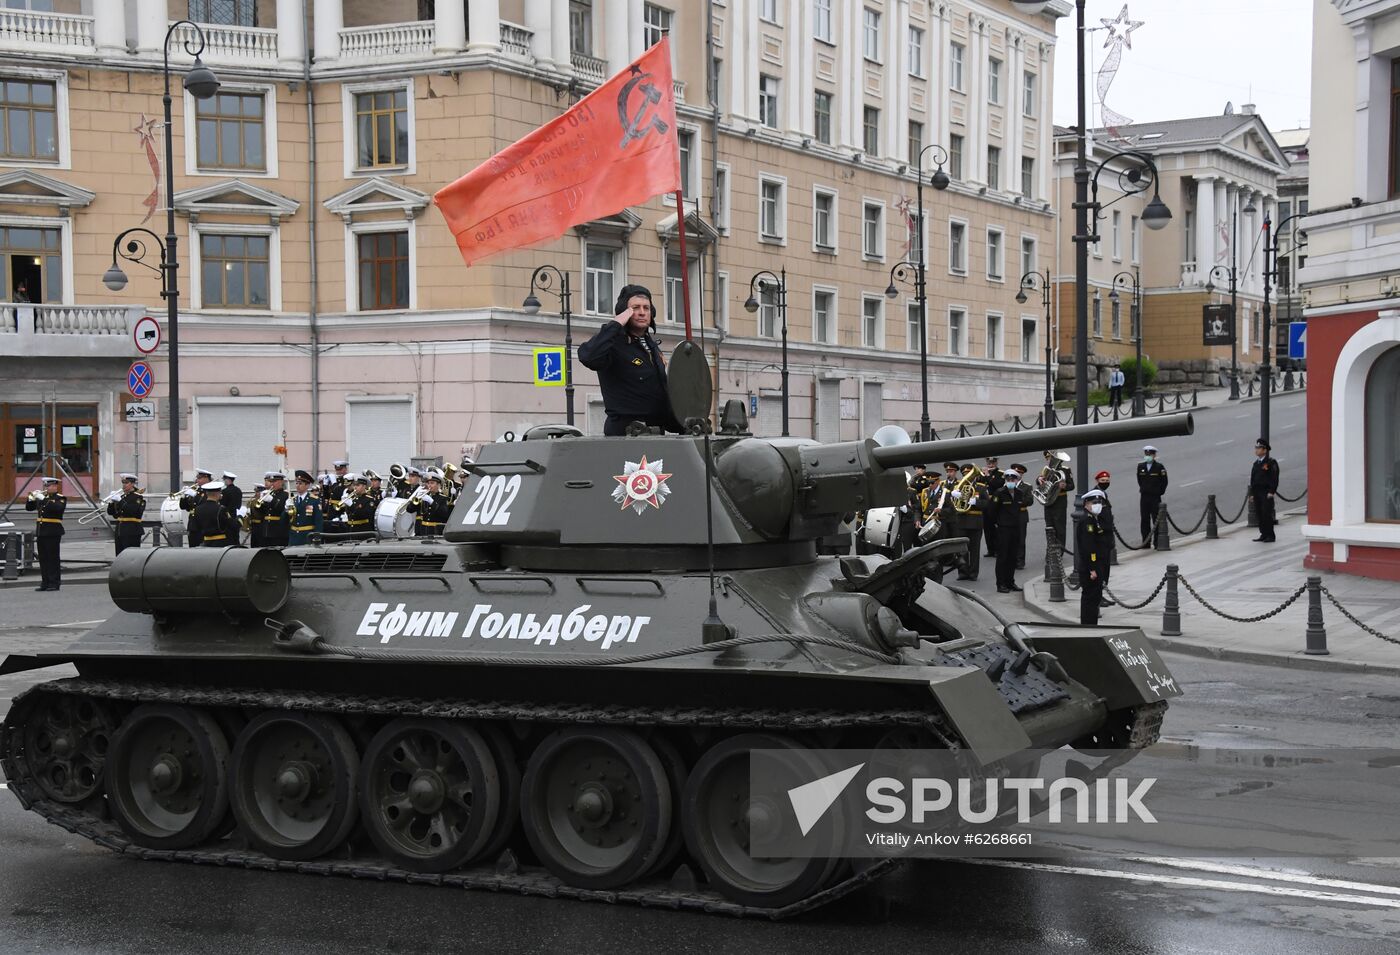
column 1017, row 442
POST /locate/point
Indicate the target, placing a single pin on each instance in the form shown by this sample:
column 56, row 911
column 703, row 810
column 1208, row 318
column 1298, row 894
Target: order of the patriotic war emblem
column 641, row 484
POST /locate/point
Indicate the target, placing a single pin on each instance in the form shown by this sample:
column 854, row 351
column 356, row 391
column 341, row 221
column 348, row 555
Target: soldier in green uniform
column 48, row 531
column 215, row 525
column 304, row 511
column 430, row 511
column 128, row 510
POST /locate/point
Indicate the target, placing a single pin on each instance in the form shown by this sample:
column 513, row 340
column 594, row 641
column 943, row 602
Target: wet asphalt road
column 58, row 894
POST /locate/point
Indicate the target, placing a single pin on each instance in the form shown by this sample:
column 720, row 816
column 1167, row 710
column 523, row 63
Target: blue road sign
column 1297, row 340
column 753, row 406
column 140, row 379
column 549, row 367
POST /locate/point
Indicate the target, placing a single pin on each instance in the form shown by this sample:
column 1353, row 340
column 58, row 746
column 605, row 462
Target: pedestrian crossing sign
column 549, row 367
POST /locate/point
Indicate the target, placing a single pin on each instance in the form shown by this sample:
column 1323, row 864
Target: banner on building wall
column 1219, row 324
column 615, row 148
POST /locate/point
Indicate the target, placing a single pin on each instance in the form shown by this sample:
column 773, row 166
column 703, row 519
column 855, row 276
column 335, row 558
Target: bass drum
column 882, row 527
column 391, row 519
column 174, row 520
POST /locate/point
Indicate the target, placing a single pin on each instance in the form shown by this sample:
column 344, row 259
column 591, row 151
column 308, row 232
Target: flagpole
column 685, row 262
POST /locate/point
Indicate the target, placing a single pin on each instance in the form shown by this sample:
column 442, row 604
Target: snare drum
column 173, row 520
column 392, row 520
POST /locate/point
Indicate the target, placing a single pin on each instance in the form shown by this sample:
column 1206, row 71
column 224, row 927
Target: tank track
column 85, row 821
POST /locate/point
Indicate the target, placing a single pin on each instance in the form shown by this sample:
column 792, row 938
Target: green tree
column 1129, row 366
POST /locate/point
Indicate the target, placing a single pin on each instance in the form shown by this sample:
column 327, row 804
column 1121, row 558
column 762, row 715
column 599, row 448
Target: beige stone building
column 1219, row 177
column 324, row 307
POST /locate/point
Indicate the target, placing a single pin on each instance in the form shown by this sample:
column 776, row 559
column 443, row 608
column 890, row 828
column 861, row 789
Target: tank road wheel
column 66, row 741
column 596, row 806
column 721, row 814
column 430, row 793
column 167, row 782
column 674, row 765
column 508, row 772
column 293, row 784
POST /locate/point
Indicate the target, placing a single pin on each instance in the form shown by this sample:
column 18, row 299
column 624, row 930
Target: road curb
column 69, row 580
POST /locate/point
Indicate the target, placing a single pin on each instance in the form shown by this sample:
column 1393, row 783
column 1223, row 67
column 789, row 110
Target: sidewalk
column 80, row 555
column 1245, row 579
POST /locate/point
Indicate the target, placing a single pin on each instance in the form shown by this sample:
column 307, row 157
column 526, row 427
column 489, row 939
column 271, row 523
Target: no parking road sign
column 549, row 367
column 140, row 380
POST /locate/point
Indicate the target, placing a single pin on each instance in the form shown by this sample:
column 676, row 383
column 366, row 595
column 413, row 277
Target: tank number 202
column 493, row 497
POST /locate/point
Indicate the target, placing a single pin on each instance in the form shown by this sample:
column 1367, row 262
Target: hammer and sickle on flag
column 634, row 125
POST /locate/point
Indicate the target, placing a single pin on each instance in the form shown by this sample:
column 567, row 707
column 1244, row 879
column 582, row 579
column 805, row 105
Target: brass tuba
column 1047, row 482
column 966, row 487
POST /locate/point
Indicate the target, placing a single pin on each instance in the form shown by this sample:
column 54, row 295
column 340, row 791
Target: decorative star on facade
column 1121, row 28
column 146, row 128
column 640, row 485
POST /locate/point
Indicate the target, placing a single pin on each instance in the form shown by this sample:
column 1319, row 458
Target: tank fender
column 1121, row 666
column 978, row 713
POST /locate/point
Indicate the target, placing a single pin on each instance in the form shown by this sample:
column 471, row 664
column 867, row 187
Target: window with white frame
column 721, row 198
column 29, row 110
column 1027, row 177
column 824, row 316
column 995, row 258
column 993, row 167
column 767, row 309
column 1097, row 323
column 916, row 142
column 721, row 304
column 957, row 247
column 916, row 52
column 599, row 277
column 690, row 159
column 768, row 100
column 1028, row 348
column 955, row 156
column 1028, row 94
column 872, row 230
column 821, row 116
column 656, row 24
column 31, row 262
column 872, row 35
column 821, row 20
column 994, row 343
column 675, row 291
column 955, row 67
column 771, row 210
column 824, row 219
column 381, row 128
column 872, row 321
column 235, row 270
column 1028, row 250
column 871, row 129
column 957, row 330
column 912, row 326
column 768, row 10
column 1134, row 236
column 1117, row 235
column 581, row 27
column 1115, row 317
column 1188, row 227
column 994, row 81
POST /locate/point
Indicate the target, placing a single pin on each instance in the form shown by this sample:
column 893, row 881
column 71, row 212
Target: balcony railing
column 68, row 331
column 679, row 87
column 229, row 44
column 590, row 69
column 46, row 32
column 516, row 39
column 396, row 40
column 1188, row 274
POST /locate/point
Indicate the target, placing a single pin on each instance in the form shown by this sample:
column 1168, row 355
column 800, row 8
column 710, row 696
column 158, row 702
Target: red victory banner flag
column 615, row 148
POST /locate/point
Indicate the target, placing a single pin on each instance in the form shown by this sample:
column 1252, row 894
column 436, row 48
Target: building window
column 1134, row 236
column 599, row 279
column 916, row 52
column 768, row 100
column 381, row 128
column 234, row 270
column 994, row 81
column 821, row 29
column 993, row 167
column 1027, row 177
column 872, row 332
column 768, row 10
column 957, row 331
column 872, row 230
column 1027, row 255
column 872, row 35
column 911, row 319
column 995, row 248
column 721, row 198
column 233, row 13
column 872, row 131
column 581, row 27
column 1254, row 321
column 383, row 259
column 686, row 139
column 821, row 116
column 1115, row 318
column 955, row 156
column 823, row 316
column 994, row 349
column 675, row 289
column 916, row 143
column 1098, row 316
column 1117, row 235
column 1383, row 438
column 770, row 210
column 32, row 264
column 767, row 310
column 721, row 303
column 656, row 24
column 1028, row 97
column 229, row 130
column 955, row 67
column 1028, row 348
column 957, row 248
column 824, row 220
column 30, row 113
column 1188, row 226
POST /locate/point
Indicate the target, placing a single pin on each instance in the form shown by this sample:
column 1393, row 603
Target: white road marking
column 1244, row 416
column 1192, row 483
column 1270, row 874
column 1189, row 882
column 76, row 623
column 4, row 785
column 1221, row 444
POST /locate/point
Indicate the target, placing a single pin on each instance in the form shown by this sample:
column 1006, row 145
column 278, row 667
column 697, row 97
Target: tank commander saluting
column 630, row 369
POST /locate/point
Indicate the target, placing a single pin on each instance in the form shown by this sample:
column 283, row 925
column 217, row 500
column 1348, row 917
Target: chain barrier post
column 11, row 557
column 1212, row 515
column 1316, row 633
column 1162, row 538
column 1054, row 567
column 1113, row 549
column 1253, row 520
column 1171, row 613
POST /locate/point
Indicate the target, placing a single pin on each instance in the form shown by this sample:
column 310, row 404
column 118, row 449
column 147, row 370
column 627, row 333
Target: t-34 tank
column 560, row 696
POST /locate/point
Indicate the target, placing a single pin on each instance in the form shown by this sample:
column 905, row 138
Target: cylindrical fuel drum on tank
column 236, row 580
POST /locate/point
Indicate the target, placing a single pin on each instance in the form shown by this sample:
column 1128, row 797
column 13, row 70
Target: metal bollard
column 1113, row 550
column 1171, row 613
column 1054, row 567
column 11, row 558
column 1288, row 380
column 1316, row 632
column 1250, row 510
column 1212, row 527
column 1162, row 539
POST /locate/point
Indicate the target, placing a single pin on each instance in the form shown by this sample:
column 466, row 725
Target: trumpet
column 187, row 491
column 418, row 494
column 36, row 495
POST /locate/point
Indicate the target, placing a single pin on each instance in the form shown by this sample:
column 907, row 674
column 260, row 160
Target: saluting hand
column 623, row 317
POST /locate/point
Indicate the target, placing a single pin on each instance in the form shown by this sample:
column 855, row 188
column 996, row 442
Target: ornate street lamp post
column 1133, row 280
column 1030, row 282
column 751, row 306
column 542, row 279
column 1232, row 274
